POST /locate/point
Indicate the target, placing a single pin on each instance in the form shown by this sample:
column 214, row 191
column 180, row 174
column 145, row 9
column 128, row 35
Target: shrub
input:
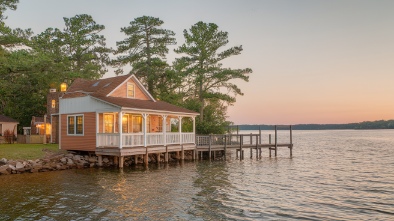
column 9, row 136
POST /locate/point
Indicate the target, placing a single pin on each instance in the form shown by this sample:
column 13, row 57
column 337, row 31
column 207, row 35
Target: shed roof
column 7, row 119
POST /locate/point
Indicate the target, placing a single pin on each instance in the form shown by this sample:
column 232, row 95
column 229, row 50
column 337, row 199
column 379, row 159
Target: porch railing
column 137, row 139
column 108, row 140
column 155, row 139
column 188, row 137
column 132, row 140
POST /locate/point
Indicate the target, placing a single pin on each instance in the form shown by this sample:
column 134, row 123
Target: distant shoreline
column 366, row 125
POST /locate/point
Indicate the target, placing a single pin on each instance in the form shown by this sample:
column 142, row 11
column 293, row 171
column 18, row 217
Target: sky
column 313, row 61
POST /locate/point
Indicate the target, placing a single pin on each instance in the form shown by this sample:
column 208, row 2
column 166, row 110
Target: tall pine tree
column 209, row 83
column 145, row 48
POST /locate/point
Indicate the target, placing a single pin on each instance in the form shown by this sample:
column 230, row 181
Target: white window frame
column 75, row 125
column 127, row 90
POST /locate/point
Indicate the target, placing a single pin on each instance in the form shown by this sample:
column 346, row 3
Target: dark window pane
column 79, row 124
column 71, row 125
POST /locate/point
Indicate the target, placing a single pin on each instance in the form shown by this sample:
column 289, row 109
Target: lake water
column 333, row 175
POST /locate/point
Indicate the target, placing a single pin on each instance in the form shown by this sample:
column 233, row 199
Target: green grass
column 26, row 151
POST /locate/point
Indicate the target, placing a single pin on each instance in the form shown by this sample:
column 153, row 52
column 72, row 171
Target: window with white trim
column 75, row 125
column 130, row 90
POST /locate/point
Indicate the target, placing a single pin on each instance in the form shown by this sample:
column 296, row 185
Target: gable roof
column 144, row 104
column 7, row 119
column 102, row 87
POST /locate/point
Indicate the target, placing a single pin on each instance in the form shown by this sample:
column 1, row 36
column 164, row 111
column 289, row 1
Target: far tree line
column 33, row 63
column 366, row 125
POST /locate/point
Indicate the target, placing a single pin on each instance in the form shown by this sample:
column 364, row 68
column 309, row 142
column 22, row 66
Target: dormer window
column 130, row 90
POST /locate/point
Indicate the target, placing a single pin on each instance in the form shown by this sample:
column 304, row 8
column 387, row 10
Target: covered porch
column 130, row 129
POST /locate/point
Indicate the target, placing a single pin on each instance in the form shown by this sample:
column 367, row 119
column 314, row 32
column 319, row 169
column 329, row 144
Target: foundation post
column 177, row 155
column 146, row 158
column 166, row 155
column 121, row 161
column 116, row 160
column 135, row 159
column 158, row 158
column 182, row 153
column 100, row 160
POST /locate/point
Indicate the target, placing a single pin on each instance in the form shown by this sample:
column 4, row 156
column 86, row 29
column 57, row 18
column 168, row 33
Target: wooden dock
column 240, row 142
column 205, row 145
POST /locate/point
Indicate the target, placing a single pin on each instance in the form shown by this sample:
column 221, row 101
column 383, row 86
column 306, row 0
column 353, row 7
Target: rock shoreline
column 66, row 161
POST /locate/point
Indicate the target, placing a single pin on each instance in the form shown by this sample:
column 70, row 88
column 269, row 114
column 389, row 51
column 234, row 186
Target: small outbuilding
column 7, row 123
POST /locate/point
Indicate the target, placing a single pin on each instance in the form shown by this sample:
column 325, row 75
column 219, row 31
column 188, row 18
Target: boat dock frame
column 213, row 143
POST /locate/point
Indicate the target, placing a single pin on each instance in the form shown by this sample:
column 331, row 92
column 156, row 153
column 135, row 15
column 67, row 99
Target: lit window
column 130, row 90
column 137, row 123
column 125, row 123
column 53, row 103
column 75, row 125
column 108, row 123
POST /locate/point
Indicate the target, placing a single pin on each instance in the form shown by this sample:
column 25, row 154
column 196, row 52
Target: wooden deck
column 204, row 143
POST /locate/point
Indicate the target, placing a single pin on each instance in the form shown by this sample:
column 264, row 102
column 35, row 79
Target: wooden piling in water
column 225, row 147
column 291, row 142
column 270, row 143
column 276, row 141
column 210, row 147
column 241, row 152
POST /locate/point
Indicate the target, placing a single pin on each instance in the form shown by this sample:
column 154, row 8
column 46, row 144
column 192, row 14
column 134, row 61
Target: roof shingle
column 7, row 119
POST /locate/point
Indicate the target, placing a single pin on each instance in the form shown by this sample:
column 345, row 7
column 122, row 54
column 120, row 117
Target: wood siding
column 122, row 91
column 85, row 142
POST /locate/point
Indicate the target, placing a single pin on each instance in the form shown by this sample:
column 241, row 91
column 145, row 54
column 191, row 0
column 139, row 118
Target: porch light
column 63, row 87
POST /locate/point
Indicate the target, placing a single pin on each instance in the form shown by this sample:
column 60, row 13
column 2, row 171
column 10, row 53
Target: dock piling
column 276, row 141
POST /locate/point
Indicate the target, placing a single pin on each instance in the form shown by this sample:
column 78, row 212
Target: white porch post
column 164, row 128
column 145, row 116
column 180, row 129
column 194, row 128
column 120, row 122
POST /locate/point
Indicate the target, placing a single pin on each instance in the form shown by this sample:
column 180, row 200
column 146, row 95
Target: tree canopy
column 31, row 64
column 210, row 85
column 145, row 47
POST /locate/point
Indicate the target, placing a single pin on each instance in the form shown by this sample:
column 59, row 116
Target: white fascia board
column 159, row 112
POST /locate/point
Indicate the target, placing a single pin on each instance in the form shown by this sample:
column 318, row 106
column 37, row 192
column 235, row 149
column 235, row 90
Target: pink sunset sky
column 313, row 61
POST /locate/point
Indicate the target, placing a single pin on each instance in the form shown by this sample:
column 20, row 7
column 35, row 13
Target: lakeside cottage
column 118, row 117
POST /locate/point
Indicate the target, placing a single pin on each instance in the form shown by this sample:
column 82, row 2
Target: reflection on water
column 334, row 175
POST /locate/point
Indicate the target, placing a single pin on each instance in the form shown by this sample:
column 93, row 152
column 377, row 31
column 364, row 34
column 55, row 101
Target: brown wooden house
column 117, row 116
